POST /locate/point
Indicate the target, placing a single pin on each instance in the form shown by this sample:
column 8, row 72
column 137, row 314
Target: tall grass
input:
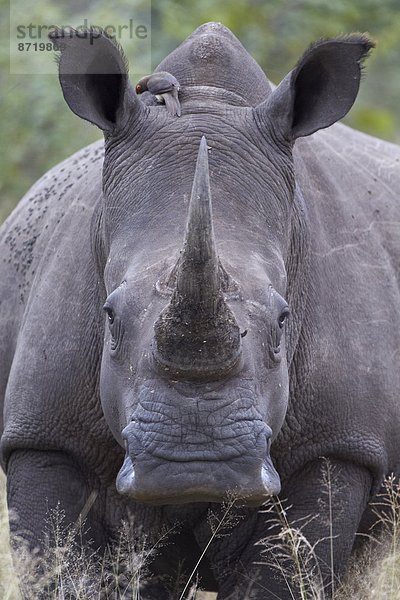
column 72, row 572
column 374, row 573
column 69, row 571
column 8, row 581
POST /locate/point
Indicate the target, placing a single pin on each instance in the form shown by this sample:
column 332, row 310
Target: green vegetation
column 37, row 129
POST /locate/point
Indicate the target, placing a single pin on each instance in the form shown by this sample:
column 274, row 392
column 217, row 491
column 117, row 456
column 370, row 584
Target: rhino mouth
column 158, row 481
column 186, row 447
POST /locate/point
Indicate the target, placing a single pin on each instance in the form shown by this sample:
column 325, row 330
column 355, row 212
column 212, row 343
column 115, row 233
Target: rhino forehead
column 213, row 56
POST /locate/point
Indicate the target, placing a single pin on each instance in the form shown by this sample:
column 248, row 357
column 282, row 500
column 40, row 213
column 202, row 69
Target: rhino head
column 201, row 242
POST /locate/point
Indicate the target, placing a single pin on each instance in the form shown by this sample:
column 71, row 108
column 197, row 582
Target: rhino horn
column 197, row 277
column 197, row 336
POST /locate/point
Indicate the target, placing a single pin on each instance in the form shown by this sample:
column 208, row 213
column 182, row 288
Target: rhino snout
column 200, row 475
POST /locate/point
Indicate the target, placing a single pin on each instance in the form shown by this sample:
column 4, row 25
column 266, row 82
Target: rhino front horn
column 196, row 336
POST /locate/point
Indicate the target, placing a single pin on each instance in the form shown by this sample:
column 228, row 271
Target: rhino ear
column 321, row 89
column 93, row 74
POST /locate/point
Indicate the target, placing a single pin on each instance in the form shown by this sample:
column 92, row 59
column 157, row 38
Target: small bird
column 164, row 87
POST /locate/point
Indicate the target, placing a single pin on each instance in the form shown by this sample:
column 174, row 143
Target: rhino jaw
column 176, row 484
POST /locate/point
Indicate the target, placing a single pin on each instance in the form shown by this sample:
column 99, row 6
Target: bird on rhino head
column 164, row 87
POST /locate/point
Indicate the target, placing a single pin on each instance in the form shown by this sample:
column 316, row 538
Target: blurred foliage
column 37, row 129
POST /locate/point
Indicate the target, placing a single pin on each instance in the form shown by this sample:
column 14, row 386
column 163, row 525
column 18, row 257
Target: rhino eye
column 283, row 316
column 115, row 328
column 110, row 314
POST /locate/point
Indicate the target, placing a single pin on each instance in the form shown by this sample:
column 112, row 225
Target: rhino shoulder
column 355, row 162
column 71, row 186
column 47, row 284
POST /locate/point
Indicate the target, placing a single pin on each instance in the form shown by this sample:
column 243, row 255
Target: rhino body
column 134, row 395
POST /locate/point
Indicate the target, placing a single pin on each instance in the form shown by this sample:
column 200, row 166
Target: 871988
column 35, row 46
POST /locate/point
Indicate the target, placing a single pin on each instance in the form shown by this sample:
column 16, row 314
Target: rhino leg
column 39, row 483
column 313, row 506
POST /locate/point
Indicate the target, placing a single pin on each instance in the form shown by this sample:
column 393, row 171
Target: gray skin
column 89, row 398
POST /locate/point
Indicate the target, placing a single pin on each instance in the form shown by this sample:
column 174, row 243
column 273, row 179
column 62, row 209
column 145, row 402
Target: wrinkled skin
column 312, row 226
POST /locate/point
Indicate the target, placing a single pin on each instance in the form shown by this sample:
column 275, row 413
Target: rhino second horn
column 197, row 336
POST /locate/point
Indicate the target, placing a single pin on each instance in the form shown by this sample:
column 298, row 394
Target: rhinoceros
column 205, row 307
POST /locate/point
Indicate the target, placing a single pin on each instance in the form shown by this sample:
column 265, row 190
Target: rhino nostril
column 128, row 452
column 131, row 440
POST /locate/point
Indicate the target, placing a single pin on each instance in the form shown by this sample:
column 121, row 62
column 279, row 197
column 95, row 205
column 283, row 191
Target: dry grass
column 8, row 581
column 373, row 576
column 71, row 569
column 376, row 574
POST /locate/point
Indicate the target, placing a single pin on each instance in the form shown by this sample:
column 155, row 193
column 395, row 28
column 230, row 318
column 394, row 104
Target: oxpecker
column 164, row 87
